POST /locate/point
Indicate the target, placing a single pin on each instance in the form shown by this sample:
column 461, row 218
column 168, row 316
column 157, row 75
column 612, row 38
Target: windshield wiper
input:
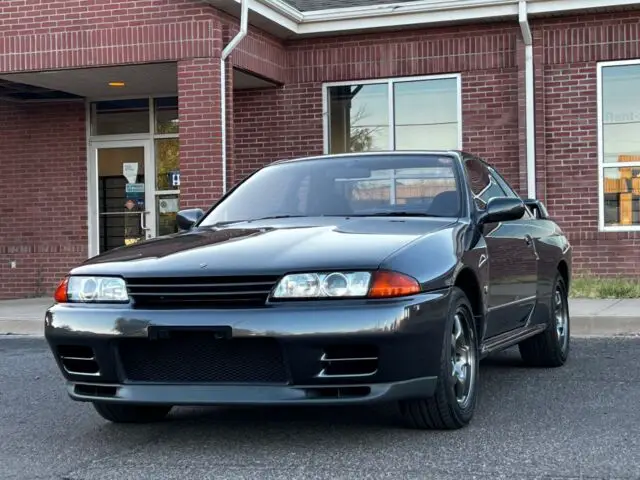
column 274, row 217
column 393, row 214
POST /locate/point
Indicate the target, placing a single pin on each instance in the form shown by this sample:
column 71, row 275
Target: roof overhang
column 285, row 21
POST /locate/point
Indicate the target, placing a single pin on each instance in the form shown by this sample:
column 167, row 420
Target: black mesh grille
column 196, row 292
column 200, row 357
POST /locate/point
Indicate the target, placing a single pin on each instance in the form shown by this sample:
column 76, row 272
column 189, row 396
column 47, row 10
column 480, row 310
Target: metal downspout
column 529, row 98
column 244, row 13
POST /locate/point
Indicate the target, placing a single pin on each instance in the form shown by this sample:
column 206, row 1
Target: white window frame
column 601, row 163
column 390, row 83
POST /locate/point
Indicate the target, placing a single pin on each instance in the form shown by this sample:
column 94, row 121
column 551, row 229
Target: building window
column 422, row 113
column 618, row 145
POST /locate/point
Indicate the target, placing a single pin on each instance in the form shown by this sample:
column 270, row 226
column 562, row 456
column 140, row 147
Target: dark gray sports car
column 344, row 279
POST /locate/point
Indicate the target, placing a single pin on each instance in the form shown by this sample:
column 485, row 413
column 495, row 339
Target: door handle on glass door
column 143, row 222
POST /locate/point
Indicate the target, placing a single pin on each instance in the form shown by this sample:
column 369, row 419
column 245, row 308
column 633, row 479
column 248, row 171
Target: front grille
column 199, row 356
column 197, row 292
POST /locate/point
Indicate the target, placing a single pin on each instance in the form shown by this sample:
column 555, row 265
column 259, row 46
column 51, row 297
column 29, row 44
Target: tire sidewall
column 459, row 300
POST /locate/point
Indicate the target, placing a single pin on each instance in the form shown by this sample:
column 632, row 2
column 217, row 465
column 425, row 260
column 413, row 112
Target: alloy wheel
column 463, row 359
column 561, row 315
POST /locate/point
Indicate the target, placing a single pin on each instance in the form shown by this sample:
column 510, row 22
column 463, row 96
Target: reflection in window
column 167, row 164
column 426, row 114
column 119, row 117
column 620, row 91
column 166, row 111
column 423, row 114
column 359, row 118
column 167, row 207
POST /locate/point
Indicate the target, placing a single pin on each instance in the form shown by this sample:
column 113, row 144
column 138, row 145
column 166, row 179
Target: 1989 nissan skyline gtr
column 339, row 279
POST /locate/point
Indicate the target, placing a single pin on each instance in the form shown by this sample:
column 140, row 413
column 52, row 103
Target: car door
column 511, row 255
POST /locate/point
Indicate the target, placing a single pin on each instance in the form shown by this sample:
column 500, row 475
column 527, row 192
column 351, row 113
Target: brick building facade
column 89, row 89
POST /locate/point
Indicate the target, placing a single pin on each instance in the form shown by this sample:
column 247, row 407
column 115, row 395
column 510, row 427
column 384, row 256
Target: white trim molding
column 601, row 163
column 390, row 82
column 419, row 12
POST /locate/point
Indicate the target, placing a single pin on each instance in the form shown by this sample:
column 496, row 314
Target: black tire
column 443, row 411
column 551, row 348
column 128, row 413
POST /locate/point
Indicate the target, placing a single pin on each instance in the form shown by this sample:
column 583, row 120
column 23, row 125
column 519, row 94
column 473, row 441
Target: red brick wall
column 43, row 201
column 258, row 52
column 285, row 122
column 568, row 146
column 276, row 124
column 68, row 34
column 200, row 132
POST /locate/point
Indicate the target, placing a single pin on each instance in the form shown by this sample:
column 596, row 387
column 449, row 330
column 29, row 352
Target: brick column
column 232, row 177
column 200, row 132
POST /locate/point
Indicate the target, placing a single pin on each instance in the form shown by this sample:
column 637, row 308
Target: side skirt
column 508, row 339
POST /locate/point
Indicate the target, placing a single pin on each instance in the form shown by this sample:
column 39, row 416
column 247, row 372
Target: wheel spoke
column 462, row 359
column 561, row 317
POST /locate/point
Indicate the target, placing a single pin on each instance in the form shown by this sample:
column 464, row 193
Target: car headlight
column 89, row 289
column 379, row 284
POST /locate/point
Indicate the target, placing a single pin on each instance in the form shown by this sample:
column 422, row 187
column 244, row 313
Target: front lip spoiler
column 256, row 395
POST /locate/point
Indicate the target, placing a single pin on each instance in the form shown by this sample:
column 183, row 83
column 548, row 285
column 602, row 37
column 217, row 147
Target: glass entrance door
column 123, row 207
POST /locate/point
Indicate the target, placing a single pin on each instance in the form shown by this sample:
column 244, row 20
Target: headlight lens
column 96, row 290
column 323, row 285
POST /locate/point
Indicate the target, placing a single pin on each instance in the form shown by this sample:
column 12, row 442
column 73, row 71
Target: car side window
column 509, row 190
column 483, row 185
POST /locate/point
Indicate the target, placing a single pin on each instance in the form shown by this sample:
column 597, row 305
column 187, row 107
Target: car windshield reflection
column 376, row 185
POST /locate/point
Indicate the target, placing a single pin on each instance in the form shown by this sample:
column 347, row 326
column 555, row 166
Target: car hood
column 267, row 247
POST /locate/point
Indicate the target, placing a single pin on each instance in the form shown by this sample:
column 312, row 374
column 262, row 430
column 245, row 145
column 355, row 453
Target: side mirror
column 503, row 209
column 186, row 219
column 537, row 207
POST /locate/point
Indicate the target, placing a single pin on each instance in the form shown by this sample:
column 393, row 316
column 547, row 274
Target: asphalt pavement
column 577, row 422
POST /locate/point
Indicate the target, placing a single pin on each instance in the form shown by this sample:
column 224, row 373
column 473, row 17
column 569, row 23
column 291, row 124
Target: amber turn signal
column 60, row 294
column 392, row 284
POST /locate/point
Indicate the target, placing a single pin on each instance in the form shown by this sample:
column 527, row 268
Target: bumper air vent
column 78, row 360
column 349, row 361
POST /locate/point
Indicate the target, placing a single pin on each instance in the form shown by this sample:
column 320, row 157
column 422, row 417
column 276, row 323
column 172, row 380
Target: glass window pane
column 118, row 117
column 426, row 114
column 622, row 196
column 621, row 112
column 167, row 164
column 358, row 118
column 166, row 111
column 120, row 202
column 166, row 207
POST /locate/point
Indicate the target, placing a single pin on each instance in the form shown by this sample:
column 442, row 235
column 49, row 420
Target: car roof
column 400, row 153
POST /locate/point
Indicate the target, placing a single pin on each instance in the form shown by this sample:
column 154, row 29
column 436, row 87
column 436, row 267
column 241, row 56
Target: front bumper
column 312, row 353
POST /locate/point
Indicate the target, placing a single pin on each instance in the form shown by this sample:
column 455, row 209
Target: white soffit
column 420, row 12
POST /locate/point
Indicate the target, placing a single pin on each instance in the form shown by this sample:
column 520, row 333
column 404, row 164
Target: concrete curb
column 581, row 326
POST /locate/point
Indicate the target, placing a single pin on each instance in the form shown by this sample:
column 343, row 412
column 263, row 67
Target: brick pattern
column 257, row 52
column 276, row 124
column 588, row 38
column 200, row 140
column 43, row 201
column 66, row 34
column 566, row 89
column 490, row 121
column 418, row 52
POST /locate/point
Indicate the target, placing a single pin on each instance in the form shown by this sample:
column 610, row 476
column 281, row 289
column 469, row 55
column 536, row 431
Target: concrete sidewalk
column 588, row 317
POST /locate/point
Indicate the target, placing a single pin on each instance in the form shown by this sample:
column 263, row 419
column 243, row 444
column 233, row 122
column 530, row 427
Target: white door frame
column 149, row 215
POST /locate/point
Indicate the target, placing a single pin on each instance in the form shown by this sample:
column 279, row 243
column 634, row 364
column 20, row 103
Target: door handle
column 143, row 222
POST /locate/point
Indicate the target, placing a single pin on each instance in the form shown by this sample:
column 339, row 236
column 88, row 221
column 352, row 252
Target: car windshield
column 370, row 185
